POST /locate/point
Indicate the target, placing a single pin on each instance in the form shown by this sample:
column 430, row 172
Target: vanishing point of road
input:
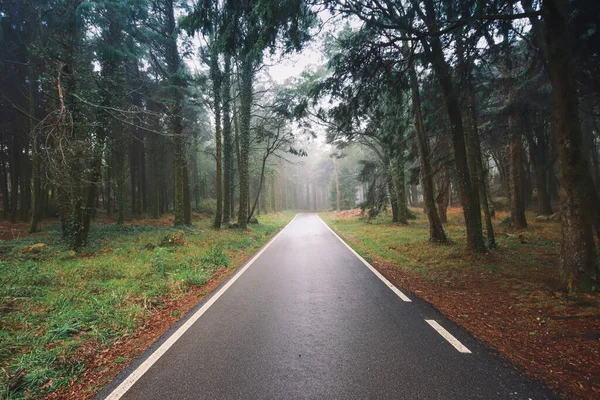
column 307, row 318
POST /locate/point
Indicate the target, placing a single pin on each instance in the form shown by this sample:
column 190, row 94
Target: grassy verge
column 56, row 305
column 511, row 298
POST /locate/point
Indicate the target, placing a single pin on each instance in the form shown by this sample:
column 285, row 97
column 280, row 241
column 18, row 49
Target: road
column 307, row 319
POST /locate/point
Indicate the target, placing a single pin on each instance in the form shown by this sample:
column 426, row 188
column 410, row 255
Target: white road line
column 448, row 336
column 383, row 279
column 145, row 366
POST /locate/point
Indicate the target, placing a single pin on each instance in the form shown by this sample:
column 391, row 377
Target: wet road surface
column 307, row 319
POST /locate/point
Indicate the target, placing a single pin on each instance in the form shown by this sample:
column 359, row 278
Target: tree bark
column 174, row 67
column 216, row 84
column 577, row 194
column 443, row 198
column 436, row 230
column 469, row 197
column 246, row 95
column 36, row 181
column 260, row 184
column 4, row 189
column 187, row 201
column 516, row 178
column 14, row 178
column 393, row 194
column 538, row 149
column 516, row 182
column 227, row 141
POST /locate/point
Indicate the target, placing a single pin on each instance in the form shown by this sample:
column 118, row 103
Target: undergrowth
column 52, row 300
column 519, row 254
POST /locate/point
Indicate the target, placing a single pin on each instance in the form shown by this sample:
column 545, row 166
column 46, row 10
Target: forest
column 214, row 121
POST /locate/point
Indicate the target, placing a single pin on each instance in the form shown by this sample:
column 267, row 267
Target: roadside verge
column 510, row 298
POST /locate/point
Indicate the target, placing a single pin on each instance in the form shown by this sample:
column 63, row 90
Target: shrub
column 216, row 257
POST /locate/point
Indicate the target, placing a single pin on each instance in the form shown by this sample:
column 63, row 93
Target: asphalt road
column 308, row 320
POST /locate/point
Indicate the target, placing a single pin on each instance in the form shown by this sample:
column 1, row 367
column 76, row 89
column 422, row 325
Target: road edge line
column 377, row 273
column 448, row 336
column 136, row 374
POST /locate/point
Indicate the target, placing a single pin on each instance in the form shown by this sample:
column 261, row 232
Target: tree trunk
column 133, row 175
column 36, row 182
column 436, row 230
column 338, row 195
column 109, row 206
column 179, row 169
column 516, row 172
column 476, row 162
column 232, row 195
column 469, row 197
column 137, row 162
column 442, row 202
column 541, row 182
column 246, row 95
column 14, row 179
column 577, row 194
column 142, row 178
column 538, row 149
column 393, row 194
column 227, row 141
column 119, row 166
column 177, row 84
column 216, row 81
column 516, row 183
column 4, row 189
column 260, row 184
column 25, row 184
column 187, row 201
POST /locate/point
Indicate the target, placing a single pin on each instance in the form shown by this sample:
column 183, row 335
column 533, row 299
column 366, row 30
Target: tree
column 399, row 23
column 248, row 29
column 579, row 200
column 436, row 230
column 167, row 60
column 227, row 141
column 216, row 77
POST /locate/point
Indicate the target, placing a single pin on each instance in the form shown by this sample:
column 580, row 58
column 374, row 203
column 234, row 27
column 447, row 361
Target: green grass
column 52, row 301
column 407, row 246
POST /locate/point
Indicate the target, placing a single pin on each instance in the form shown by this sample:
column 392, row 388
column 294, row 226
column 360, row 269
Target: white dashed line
column 448, row 336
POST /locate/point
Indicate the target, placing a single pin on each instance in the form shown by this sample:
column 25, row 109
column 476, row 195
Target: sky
column 294, row 64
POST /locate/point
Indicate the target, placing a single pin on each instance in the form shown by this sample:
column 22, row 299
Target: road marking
column 145, row 366
column 383, row 279
column 448, row 336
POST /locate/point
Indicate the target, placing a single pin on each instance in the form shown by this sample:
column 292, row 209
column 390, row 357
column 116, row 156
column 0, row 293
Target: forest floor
column 71, row 321
column 510, row 298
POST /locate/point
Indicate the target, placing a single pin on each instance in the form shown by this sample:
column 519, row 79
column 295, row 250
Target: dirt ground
column 10, row 231
column 558, row 345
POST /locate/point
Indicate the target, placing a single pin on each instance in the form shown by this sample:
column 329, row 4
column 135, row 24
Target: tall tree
column 165, row 52
column 436, row 230
column 216, row 78
column 578, row 198
column 251, row 27
column 227, row 141
column 397, row 22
